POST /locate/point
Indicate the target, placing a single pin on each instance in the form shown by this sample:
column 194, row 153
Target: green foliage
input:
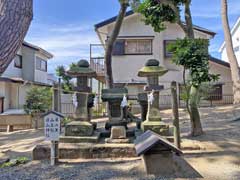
column 38, row 100
column 155, row 14
column 193, row 55
column 18, row 161
column 66, row 84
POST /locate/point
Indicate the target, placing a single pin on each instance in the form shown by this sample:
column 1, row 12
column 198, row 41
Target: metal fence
column 165, row 102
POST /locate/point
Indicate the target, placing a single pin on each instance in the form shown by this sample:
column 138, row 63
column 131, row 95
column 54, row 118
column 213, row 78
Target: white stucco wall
column 6, row 93
column 125, row 67
column 225, row 76
column 236, row 44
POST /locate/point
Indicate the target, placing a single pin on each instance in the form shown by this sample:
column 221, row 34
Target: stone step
column 80, row 139
column 86, row 151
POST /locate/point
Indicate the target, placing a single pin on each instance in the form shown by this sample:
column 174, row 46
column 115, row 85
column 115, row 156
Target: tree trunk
column 188, row 19
column 196, row 127
column 110, row 43
column 15, row 19
column 230, row 53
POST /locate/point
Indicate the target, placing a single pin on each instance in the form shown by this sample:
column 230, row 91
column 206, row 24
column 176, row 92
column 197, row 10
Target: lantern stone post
column 81, row 125
column 152, row 71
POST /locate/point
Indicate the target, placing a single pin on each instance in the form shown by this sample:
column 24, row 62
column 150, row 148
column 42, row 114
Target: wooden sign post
column 52, row 127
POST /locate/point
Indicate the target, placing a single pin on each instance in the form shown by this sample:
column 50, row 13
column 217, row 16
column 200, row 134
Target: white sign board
column 52, row 127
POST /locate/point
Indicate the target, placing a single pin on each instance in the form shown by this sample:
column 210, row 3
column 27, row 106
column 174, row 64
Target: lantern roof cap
column 81, row 69
column 152, row 68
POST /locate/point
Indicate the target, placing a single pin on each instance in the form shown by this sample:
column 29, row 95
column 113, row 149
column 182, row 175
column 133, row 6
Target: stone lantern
column 81, row 125
column 152, row 71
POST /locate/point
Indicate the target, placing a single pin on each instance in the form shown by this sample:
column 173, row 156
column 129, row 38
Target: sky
column 66, row 27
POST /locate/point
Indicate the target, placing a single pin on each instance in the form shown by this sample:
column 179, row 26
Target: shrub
column 38, row 100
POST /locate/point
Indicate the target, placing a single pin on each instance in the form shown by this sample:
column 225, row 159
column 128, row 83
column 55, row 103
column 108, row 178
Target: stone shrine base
column 80, row 139
column 86, row 151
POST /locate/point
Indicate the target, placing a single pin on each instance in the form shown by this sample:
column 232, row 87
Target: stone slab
column 107, row 133
column 81, row 139
column 41, row 152
column 118, row 132
column 79, row 128
column 118, row 141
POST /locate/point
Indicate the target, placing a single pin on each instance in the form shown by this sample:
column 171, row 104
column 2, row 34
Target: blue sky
column 66, row 27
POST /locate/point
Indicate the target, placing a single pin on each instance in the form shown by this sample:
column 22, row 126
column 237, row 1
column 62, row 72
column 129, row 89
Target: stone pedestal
column 154, row 122
column 118, row 135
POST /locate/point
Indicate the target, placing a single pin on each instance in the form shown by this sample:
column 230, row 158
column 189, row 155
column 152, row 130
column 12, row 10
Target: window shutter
column 118, row 48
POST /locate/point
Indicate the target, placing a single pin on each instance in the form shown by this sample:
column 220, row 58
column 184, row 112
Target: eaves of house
column 131, row 12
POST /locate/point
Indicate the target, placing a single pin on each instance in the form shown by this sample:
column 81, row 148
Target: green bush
column 38, row 100
column 15, row 162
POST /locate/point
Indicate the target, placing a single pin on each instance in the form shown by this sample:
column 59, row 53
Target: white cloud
column 68, row 43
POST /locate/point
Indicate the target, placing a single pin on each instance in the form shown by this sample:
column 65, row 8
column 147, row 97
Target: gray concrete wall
column 28, row 63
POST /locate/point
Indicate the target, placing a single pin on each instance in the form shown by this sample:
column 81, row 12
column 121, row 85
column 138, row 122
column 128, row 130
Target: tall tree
column 111, row 40
column 230, row 52
column 156, row 14
column 15, row 19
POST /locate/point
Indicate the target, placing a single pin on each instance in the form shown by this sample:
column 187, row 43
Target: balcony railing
column 97, row 60
column 97, row 64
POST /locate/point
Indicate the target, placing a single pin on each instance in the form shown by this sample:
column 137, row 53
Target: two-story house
column 137, row 42
column 29, row 67
column 235, row 32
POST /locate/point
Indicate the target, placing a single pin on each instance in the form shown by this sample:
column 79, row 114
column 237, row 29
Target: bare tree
column 15, row 19
column 230, row 52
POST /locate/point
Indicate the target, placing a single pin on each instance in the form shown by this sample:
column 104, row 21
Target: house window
column 18, row 61
column 132, row 47
column 41, row 64
column 138, row 46
column 167, row 53
column 216, row 93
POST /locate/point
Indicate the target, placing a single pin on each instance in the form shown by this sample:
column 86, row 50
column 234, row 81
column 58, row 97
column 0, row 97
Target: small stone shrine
column 152, row 71
column 114, row 98
column 158, row 154
column 81, row 126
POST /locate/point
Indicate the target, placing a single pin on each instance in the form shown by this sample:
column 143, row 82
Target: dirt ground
column 214, row 156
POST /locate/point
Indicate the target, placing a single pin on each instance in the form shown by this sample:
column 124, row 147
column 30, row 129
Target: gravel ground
column 116, row 170
column 219, row 158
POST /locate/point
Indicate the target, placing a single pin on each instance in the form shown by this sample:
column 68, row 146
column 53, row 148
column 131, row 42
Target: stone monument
column 114, row 98
column 152, row 71
column 81, row 125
